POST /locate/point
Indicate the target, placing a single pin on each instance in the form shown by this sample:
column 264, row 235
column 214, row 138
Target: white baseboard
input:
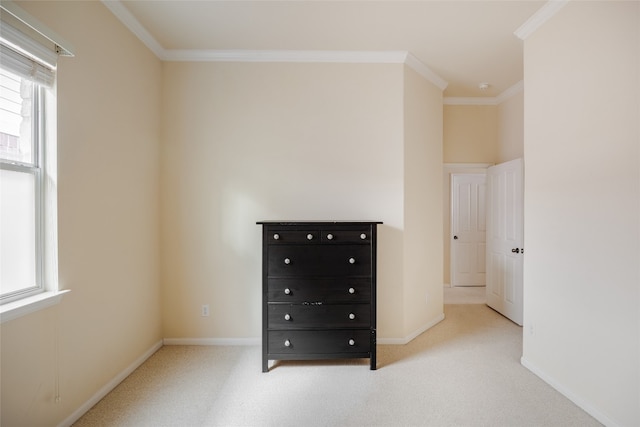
column 258, row 341
column 586, row 406
column 212, row 341
column 75, row 416
column 413, row 335
column 100, row 394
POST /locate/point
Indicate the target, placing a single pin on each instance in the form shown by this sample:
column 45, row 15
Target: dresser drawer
column 297, row 316
column 335, row 234
column 340, row 235
column 284, row 236
column 318, row 342
column 334, row 290
column 319, row 260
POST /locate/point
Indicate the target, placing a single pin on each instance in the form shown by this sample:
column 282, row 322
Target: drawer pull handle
column 276, row 236
column 352, row 291
column 287, row 316
column 287, row 343
column 352, row 316
column 287, row 291
column 352, row 342
column 363, row 236
column 287, row 261
column 309, row 236
column 352, row 260
column 329, row 236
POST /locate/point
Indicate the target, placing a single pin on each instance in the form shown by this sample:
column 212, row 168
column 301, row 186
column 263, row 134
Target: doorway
column 449, row 170
column 468, row 229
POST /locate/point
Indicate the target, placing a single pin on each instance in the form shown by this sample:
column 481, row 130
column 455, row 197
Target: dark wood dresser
column 318, row 290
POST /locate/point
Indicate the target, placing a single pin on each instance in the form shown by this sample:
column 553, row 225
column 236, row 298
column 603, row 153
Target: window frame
column 48, row 293
column 37, row 169
column 30, row 49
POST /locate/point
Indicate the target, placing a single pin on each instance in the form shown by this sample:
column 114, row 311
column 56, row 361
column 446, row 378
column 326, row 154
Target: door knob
column 516, row 250
column 455, row 237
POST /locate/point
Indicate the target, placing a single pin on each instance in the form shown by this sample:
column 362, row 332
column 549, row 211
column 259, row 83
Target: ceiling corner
column 129, row 21
column 426, row 72
column 539, row 18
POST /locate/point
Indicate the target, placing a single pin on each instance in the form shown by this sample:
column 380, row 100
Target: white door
column 505, row 229
column 468, row 230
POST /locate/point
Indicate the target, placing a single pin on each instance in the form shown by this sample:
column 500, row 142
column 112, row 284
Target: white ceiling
column 464, row 42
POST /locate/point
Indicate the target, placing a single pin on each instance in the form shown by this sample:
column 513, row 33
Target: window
column 21, row 172
column 28, row 214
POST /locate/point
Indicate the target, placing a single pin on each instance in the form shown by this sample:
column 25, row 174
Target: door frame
column 448, row 170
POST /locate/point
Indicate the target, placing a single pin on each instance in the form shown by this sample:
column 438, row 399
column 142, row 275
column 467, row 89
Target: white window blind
column 25, row 49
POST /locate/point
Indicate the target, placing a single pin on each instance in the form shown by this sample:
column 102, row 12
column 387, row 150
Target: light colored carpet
column 465, row 371
column 465, row 295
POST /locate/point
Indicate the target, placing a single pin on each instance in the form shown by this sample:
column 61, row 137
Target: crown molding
column 358, row 57
column 496, row 100
column 451, row 100
column 539, row 18
column 426, row 72
column 129, row 21
column 512, row 91
column 311, row 56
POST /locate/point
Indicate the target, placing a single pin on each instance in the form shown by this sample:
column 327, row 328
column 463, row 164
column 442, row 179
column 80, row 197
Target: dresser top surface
column 316, row 223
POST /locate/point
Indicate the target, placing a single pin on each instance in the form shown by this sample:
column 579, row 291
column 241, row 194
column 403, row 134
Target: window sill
column 19, row 308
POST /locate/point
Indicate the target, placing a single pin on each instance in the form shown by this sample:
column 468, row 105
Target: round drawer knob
column 352, row 291
column 287, row 343
column 287, row 291
column 329, row 236
column 352, row 316
column 352, row 342
column 363, row 236
column 276, row 236
column 309, row 236
column 352, row 260
column 287, row 261
column 287, row 316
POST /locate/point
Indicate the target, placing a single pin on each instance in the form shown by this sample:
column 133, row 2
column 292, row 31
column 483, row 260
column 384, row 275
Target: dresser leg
column 374, row 341
column 265, row 365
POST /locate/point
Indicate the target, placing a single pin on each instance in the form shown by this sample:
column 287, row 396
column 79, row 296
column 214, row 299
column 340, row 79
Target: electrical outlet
column 205, row 310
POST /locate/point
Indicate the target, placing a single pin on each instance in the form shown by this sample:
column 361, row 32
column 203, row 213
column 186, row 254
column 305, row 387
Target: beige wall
column 423, row 293
column 582, row 207
column 511, row 128
column 108, row 97
column 250, row 141
column 470, row 133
